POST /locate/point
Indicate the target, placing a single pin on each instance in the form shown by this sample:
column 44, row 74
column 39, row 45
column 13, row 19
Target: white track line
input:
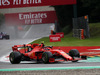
column 94, row 49
column 5, row 58
column 27, row 32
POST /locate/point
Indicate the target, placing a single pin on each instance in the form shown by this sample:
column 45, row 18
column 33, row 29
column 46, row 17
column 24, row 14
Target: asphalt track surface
column 5, row 48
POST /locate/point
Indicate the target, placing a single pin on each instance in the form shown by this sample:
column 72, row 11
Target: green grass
column 94, row 29
column 68, row 40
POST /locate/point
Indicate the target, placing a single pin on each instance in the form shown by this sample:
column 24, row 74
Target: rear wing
column 17, row 47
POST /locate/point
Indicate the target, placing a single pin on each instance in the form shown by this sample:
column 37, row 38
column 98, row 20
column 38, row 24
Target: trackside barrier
column 61, row 34
column 79, row 33
column 82, row 23
column 82, row 34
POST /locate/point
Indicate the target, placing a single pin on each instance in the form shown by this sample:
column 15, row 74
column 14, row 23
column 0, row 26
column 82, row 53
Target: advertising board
column 55, row 38
column 30, row 18
column 29, row 3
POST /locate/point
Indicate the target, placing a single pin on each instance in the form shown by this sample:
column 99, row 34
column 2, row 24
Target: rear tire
column 46, row 56
column 74, row 53
column 7, row 37
column 15, row 57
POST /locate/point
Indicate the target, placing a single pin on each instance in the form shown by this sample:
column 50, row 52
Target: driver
column 42, row 45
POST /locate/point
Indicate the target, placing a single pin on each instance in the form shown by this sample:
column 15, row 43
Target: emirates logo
column 4, row 2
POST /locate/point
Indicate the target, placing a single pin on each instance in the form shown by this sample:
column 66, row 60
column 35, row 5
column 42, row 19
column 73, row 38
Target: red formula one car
column 39, row 52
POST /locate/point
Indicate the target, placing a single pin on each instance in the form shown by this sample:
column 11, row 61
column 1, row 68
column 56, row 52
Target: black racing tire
column 46, row 56
column 7, row 37
column 1, row 38
column 74, row 53
column 15, row 57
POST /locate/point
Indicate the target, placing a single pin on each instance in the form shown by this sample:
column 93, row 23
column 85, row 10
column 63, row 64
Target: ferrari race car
column 40, row 52
column 3, row 35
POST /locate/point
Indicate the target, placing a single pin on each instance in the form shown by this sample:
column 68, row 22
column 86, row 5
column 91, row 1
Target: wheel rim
column 44, row 58
column 11, row 59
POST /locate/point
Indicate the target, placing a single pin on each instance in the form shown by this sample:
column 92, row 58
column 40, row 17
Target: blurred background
column 64, row 14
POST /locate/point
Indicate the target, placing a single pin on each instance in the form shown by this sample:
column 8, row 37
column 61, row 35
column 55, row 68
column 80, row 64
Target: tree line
column 65, row 13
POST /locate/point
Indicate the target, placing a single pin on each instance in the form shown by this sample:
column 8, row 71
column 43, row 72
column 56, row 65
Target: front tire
column 46, row 56
column 15, row 57
column 74, row 53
